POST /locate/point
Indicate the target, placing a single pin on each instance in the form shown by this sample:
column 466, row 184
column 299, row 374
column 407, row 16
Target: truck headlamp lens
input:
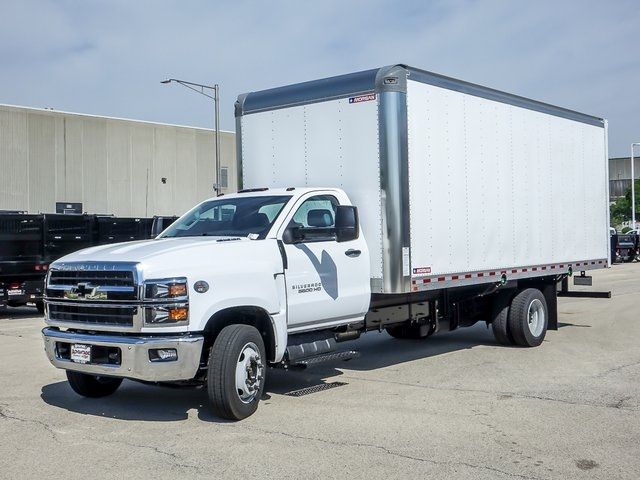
column 166, row 315
column 169, row 288
column 178, row 290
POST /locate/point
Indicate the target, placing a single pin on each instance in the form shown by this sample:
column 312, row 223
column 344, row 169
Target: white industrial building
column 109, row 165
column 620, row 175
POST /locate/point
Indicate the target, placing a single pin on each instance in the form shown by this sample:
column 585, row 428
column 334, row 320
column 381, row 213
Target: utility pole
column 200, row 88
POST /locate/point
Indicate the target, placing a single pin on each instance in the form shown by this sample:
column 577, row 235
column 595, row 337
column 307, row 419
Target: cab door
column 327, row 281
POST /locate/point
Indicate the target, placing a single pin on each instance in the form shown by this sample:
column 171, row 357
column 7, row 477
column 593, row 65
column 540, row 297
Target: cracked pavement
column 453, row 406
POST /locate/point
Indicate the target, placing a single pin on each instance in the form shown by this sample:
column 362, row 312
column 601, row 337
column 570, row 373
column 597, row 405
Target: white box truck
column 392, row 199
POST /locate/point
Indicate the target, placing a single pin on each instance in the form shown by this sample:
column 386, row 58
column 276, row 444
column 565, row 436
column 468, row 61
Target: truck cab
column 265, row 263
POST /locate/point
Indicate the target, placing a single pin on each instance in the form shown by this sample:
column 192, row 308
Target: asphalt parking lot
column 453, row 406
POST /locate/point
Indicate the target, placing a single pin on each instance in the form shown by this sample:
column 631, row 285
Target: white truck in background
column 392, row 199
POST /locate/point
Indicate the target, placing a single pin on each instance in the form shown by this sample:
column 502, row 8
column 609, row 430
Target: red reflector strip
column 461, row 276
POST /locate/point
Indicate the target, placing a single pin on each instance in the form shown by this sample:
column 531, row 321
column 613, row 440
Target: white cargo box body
column 455, row 183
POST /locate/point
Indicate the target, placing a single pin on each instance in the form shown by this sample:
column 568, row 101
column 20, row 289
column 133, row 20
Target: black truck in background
column 625, row 247
column 30, row 242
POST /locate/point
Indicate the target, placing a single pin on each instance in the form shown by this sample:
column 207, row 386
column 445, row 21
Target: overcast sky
column 108, row 57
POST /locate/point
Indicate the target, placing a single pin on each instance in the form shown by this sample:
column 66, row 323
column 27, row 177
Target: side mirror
column 347, row 223
column 292, row 235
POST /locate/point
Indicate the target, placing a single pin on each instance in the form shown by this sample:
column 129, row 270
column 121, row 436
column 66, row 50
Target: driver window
column 316, row 212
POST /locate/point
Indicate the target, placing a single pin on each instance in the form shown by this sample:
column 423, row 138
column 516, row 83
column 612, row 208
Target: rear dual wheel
column 523, row 321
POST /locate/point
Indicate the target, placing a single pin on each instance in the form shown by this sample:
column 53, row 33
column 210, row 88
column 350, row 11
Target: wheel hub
column 536, row 317
column 249, row 372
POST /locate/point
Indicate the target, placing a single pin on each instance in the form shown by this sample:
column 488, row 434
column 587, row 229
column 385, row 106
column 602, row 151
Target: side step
column 326, row 357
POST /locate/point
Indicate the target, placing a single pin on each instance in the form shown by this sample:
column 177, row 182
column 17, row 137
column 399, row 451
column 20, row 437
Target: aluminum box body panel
column 455, row 182
column 332, row 143
column 494, row 186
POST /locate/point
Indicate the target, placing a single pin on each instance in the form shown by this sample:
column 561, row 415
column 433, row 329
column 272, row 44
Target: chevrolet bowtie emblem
column 84, row 291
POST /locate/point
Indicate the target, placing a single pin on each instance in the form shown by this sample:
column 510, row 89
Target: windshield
column 234, row 217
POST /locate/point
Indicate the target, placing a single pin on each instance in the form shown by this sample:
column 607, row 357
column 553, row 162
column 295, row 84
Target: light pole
column 633, row 189
column 199, row 88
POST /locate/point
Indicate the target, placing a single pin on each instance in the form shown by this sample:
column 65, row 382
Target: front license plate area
column 80, row 353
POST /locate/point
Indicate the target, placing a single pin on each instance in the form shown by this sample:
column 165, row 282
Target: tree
column 621, row 210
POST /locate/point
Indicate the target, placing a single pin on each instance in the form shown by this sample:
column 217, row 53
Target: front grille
column 92, row 315
column 95, row 278
column 92, row 283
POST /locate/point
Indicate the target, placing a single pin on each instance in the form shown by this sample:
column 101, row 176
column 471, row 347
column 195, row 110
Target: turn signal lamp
column 178, row 314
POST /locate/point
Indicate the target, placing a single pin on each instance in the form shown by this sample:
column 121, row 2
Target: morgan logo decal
column 421, row 270
column 362, row 98
column 307, row 287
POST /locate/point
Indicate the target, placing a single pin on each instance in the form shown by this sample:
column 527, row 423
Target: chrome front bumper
column 134, row 355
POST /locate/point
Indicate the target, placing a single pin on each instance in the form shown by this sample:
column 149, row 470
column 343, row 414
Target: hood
column 171, row 256
column 144, row 250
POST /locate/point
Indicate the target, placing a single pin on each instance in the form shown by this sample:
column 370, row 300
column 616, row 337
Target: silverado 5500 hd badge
column 307, row 287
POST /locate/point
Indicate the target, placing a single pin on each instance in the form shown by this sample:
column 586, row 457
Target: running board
column 326, row 357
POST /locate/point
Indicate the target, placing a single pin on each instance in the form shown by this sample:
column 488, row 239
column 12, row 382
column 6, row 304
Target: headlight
column 176, row 314
column 168, row 288
column 167, row 302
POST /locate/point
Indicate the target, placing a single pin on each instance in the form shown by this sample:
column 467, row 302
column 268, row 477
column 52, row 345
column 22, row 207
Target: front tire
column 236, row 373
column 528, row 318
column 92, row 386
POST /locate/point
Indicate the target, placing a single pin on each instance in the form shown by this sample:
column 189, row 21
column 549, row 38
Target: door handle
column 352, row 253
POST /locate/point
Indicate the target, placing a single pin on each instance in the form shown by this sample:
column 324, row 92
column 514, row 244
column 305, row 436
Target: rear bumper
column 134, row 360
column 26, row 292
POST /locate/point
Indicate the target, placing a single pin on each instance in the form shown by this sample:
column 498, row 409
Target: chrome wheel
column 536, row 317
column 249, row 372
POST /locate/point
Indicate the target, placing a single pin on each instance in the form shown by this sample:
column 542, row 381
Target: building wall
column 620, row 175
column 112, row 166
column 620, row 168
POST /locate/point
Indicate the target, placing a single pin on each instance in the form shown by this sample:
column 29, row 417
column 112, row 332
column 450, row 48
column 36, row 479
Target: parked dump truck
column 30, row 242
column 22, row 262
column 392, row 199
